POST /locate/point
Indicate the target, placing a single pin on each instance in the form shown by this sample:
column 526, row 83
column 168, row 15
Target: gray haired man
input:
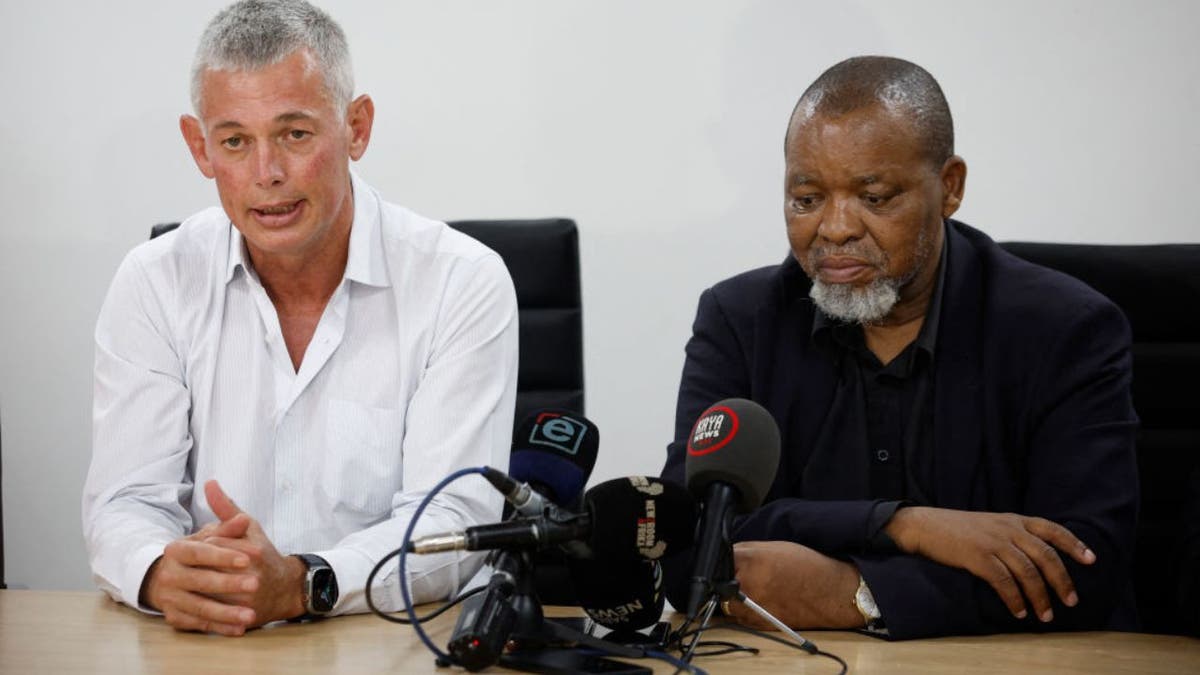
column 323, row 354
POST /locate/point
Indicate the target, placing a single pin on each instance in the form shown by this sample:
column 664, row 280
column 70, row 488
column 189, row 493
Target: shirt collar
column 364, row 260
column 927, row 337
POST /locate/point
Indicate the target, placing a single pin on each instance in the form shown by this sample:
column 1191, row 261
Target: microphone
column 732, row 458
column 625, row 518
column 539, row 532
column 554, row 451
column 552, row 457
column 525, row 500
column 621, row 595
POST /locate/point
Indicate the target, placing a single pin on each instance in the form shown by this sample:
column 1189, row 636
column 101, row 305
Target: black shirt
column 892, row 404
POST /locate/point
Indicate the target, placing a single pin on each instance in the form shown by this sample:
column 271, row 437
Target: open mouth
column 275, row 215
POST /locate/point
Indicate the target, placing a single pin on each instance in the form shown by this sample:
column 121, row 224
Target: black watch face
column 324, row 590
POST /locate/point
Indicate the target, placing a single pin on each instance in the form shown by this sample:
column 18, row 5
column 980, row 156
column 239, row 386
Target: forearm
column 429, row 577
column 831, row 527
column 936, row 586
column 123, row 541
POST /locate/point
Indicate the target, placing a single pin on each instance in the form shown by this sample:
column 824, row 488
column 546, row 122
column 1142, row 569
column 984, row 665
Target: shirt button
column 882, row 455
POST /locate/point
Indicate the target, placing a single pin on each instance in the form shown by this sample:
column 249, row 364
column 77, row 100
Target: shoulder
column 744, row 295
column 1037, row 307
column 412, row 240
column 433, row 265
column 184, row 258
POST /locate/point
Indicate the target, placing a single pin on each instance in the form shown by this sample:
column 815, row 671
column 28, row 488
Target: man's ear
column 954, row 182
column 360, row 116
column 193, row 135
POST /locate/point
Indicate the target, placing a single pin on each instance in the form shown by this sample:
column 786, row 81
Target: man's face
column 279, row 151
column 864, row 207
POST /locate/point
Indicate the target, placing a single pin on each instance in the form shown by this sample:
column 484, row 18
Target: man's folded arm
column 460, row 416
column 1080, row 472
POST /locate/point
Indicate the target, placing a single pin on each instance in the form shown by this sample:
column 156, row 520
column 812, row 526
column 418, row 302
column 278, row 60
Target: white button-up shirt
column 411, row 373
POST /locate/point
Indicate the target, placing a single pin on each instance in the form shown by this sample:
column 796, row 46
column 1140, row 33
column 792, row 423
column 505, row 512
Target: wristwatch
column 320, row 587
column 864, row 602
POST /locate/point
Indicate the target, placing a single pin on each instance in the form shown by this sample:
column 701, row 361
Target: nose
column 839, row 222
column 268, row 166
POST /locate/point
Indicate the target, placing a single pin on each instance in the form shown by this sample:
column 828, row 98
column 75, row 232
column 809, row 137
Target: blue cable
column 408, row 604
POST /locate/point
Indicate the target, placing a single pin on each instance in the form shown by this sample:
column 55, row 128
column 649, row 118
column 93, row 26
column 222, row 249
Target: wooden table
column 54, row 632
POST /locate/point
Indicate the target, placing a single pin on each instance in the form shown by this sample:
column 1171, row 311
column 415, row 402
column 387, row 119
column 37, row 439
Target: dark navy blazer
column 1031, row 413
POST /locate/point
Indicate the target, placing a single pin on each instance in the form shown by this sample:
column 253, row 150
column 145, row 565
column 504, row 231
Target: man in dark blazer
column 956, row 424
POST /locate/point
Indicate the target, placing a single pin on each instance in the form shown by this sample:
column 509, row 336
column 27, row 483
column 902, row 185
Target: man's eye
column 298, row 134
column 232, row 143
column 803, row 202
column 875, row 199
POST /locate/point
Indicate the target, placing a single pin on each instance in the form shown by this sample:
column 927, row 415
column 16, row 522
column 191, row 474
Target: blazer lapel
column 797, row 383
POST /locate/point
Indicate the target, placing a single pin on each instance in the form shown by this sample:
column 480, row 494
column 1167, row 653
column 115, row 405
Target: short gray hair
column 897, row 85
column 254, row 34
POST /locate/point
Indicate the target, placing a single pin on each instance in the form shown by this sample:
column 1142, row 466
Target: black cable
column 766, row 636
column 396, row 619
column 724, row 648
column 414, row 620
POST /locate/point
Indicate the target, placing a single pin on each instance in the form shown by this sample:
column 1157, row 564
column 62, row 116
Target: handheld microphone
column 621, row 595
column 732, row 458
column 625, row 518
column 554, row 451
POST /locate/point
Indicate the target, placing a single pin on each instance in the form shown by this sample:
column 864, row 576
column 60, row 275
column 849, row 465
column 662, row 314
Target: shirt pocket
column 362, row 463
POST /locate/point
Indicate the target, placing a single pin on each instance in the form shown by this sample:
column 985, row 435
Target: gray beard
column 871, row 303
column 862, row 305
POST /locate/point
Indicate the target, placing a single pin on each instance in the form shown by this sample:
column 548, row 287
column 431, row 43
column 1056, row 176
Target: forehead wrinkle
column 295, row 115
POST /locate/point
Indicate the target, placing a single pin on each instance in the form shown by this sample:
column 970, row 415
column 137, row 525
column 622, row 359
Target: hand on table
column 1013, row 553
column 799, row 586
column 226, row 578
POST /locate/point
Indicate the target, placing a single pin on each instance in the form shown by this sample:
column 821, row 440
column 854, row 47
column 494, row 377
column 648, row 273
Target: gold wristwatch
column 864, row 602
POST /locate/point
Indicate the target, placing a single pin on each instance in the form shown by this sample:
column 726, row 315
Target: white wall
column 656, row 125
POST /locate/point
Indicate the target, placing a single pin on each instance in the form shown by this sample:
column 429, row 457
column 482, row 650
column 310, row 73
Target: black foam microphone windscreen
column 554, row 451
column 638, row 517
column 619, row 595
column 630, row 518
column 735, row 441
column 732, row 458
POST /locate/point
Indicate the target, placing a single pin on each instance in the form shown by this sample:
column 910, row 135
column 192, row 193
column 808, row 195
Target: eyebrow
column 290, row 116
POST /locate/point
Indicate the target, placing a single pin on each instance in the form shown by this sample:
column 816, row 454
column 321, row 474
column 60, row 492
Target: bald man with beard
column 957, row 427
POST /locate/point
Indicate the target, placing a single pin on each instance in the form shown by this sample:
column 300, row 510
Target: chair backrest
column 1158, row 288
column 543, row 258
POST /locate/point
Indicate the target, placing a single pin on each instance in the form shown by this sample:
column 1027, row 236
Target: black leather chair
column 543, row 258
column 1158, row 288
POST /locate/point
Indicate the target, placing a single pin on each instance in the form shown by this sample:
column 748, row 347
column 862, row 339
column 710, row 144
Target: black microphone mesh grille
column 735, row 441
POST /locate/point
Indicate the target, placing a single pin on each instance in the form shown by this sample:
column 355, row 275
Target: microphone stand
column 507, row 625
column 727, row 588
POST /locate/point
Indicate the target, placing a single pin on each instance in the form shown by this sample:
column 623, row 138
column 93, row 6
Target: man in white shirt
column 314, row 354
